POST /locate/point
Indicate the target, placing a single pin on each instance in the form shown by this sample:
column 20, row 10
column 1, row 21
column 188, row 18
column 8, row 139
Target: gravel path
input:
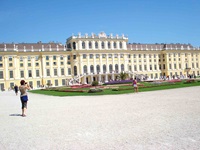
column 158, row 120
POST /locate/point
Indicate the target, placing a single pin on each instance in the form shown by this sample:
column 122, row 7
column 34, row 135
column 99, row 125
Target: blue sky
column 144, row 21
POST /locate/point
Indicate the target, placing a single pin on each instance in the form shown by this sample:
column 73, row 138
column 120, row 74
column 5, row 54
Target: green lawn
column 121, row 89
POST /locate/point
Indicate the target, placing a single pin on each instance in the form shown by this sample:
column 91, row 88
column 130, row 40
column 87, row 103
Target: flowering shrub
column 175, row 80
column 190, row 81
column 118, row 82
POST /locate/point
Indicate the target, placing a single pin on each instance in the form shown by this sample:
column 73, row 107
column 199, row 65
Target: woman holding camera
column 24, row 96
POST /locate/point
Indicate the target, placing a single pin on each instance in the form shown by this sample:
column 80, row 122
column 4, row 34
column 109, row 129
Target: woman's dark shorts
column 24, row 104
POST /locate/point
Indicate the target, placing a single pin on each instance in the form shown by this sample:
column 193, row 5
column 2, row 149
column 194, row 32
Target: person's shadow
column 15, row 115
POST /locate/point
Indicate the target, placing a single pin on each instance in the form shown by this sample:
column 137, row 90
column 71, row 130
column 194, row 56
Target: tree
column 123, row 75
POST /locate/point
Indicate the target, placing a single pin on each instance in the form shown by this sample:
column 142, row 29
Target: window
column 139, row 55
column 174, row 66
column 115, row 45
column 84, row 56
column 116, row 55
column 47, row 57
column 92, row 69
column 29, row 73
column 55, row 72
column 56, row 82
column 38, row 84
column 36, row 64
column 74, row 56
column 1, row 74
column 120, row 45
column 197, row 65
column 83, row 45
column 54, row 57
column 48, row 72
column 160, row 66
column 155, row 67
column 122, row 67
column 135, row 68
column 84, row 69
column 61, row 57
column 140, row 67
column 104, row 68
column 170, row 66
column 29, row 64
column 29, row 58
column 154, row 55
column 110, row 55
column 116, row 68
column 192, row 65
column 61, row 63
column 97, row 55
column 68, row 57
column 150, row 67
column 98, row 68
column 69, row 71
column 145, row 67
column 108, row 44
column 90, row 45
column 1, row 65
column 163, row 66
column 96, row 45
column 0, row 58
column 144, row 55
column 179, row 66
column 21, row 58
column 63, row 82
column 91, row 56
column 104, row 55
column 36, row 58
column 22, row 74
column 10, row 64
column 54, row 63
column 11, row 74
column 110, row 68
column 149, row 55
column 37, row 73
column 47, row 63
column 102, row 45
column 62, row 71
column 121, row 55
column 10, row 58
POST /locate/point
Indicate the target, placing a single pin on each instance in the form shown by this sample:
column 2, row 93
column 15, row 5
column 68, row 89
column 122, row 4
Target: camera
column 25, row 82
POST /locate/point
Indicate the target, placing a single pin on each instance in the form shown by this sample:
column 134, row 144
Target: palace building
column 87, row 58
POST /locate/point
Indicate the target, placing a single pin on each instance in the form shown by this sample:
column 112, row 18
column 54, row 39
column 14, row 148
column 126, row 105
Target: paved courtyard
column 158, row 120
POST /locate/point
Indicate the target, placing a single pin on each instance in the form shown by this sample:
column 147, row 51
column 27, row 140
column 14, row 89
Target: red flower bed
column 175, row 80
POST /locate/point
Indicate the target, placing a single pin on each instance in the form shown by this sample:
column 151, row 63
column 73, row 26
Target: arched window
column 98, row 68
column 186, row 65
column 90, row 45
column 104, row 68
column 92, row 69
column 122, row 67
column 120, row 45
column 96, row 45
column 74, row 45
column 102, row 45
column 108, row 44
column 110, row 68
column 83, row 45
column 84, row 69
column 116, row 68
column 115, row 45
column 75, row 70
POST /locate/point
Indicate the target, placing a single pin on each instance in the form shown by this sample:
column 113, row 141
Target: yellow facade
column 93, row 58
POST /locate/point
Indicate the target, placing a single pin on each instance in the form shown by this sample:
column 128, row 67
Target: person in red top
column 135, row 86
